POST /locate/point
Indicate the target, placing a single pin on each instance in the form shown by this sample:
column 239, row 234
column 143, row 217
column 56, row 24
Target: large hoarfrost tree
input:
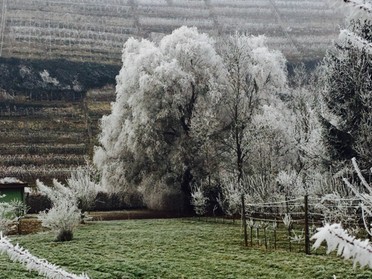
column 305, row 158
column 348, row 87
column 184, row 113
column 147, row 142
column 254, row 74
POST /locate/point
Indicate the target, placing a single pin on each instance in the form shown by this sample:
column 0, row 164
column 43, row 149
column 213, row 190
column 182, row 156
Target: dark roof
column 13, row 185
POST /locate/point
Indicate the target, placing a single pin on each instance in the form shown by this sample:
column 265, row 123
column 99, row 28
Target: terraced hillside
column 52, row 138
column 49, row 118
column 95, row 30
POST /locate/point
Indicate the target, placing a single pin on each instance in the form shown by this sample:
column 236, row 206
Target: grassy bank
column 172, row 249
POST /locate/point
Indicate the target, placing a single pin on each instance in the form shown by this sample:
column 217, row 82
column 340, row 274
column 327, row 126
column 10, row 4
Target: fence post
column 307, row 233
column 289, row 225
column 244, row 222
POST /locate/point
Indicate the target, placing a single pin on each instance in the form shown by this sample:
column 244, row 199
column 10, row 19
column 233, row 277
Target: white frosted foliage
column 64, row 214
column 346, row 36
column 160, row 90
column 7, row 216
column 199, row 200
column 365, row 196
column 230, row 201
column 84, row 185
column 348, row 247
column 354, row 9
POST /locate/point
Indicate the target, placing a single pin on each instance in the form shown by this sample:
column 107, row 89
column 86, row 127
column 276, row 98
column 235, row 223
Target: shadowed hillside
column 49, row 115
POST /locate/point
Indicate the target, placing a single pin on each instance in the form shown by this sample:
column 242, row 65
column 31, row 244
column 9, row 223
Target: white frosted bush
column 84, row 186
column 62, row 218
column 7, row 217
column 230, row 201
column 10, row 212
column 199, row 200
column 64, row 215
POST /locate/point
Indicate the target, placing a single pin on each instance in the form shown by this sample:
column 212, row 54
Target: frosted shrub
column 7, row 217
column 230, row 201
column 64, row 215
column 10, row 213
column 199, row 200
column 83, row 185
column 291, row 183
column 61, row 218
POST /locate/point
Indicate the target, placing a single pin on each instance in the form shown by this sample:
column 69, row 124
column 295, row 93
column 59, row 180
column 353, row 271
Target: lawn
column 172, row 248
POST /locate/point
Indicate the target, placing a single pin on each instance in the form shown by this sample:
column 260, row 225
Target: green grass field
column 172, row 248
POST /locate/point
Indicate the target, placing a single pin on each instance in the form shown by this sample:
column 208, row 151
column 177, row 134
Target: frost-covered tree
column 306, row 156
column 147, row 141
column 254, row 74
column 307, row 127
column 273, row 149
column 347, row 94
column 184, row 112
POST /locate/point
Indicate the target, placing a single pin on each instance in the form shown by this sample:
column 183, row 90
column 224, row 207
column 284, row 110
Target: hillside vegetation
column 95, row 30
column 47, row 125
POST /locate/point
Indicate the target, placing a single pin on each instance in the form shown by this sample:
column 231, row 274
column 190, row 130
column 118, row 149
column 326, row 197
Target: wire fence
column 290, row 223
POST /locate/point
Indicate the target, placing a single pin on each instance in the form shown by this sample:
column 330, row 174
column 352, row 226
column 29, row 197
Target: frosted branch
column 365, row 219
column 347, row 246
column 361, row 177
column 356, row 9
column 18, row 254
column 366, row 198
column 355, row 40
column 361, row 5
